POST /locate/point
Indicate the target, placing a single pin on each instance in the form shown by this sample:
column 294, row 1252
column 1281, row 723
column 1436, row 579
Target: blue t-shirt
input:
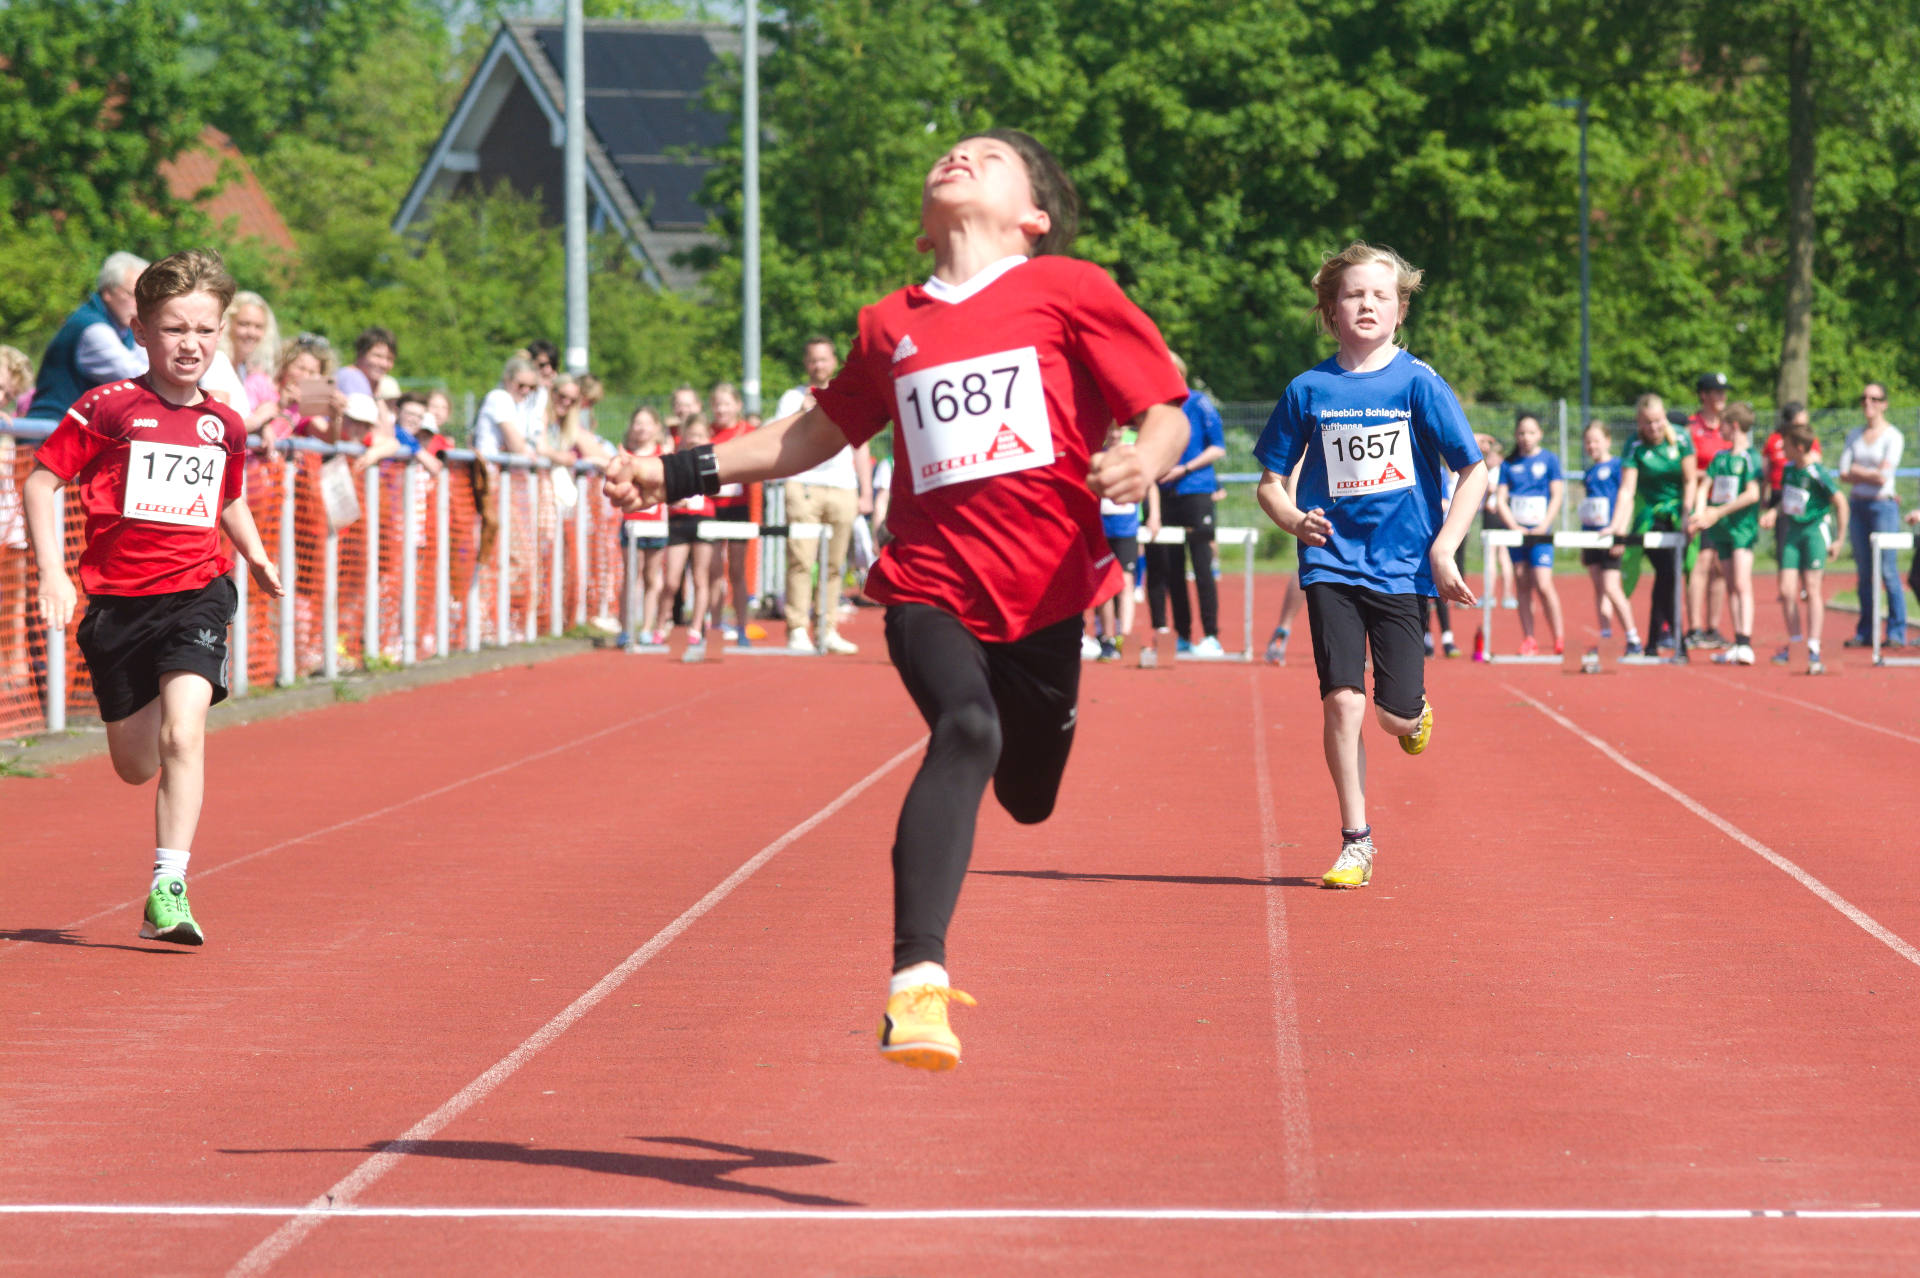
column 1118, row 520
column 1529, row 482
column 1602, row 482
column 1376, row 445
column 1205, row 430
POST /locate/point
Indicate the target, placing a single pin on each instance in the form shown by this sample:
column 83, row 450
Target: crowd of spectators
column 288, row 387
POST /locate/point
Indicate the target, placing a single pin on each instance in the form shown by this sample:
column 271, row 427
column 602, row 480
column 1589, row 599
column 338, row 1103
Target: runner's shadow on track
column 61, row 936
column 693, row 1173
column 1203, row 880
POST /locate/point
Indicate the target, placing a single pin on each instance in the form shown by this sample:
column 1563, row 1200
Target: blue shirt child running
column 1377, row 446
column 1602, row 483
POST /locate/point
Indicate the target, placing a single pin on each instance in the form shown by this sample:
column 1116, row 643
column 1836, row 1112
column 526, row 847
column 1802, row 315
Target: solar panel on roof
column 667, row 192
column 653, row 126
column 635, row 59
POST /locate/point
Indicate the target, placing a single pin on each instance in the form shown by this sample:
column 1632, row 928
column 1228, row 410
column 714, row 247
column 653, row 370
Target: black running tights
column 999, row 711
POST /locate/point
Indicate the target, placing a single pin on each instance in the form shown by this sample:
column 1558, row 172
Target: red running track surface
column 1567, row 990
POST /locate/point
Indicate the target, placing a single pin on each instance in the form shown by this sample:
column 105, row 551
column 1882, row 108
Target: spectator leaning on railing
column 374, row 354
column 95, row 346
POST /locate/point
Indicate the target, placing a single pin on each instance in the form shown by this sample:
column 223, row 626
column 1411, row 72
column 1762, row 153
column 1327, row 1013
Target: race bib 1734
column 1365, row 457
column 168, row 484
column 974, row 418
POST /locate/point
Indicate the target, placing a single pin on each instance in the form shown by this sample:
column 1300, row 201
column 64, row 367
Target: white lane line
column 391, row 808
column 861, row 1214
column 1854, row 913
column 356, row 1182
column 1814, row 705
column 1289, row 1057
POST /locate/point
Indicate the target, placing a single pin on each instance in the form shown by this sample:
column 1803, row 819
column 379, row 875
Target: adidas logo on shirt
column 906, row 349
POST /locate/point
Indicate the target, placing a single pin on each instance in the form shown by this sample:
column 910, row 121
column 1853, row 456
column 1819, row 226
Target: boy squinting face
column 181, row 338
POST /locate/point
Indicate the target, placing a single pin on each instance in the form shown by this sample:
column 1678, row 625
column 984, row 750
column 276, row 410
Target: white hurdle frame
column 1876, row 543
column 1507, row 538
column 713, row 530
column 1246, row 538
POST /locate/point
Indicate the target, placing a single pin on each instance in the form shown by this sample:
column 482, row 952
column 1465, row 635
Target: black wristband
column 691, row 473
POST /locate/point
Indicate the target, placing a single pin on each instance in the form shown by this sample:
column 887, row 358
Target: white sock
column 1813, row 647
column 1633, row 636
column 919, row 974
column 169, row 863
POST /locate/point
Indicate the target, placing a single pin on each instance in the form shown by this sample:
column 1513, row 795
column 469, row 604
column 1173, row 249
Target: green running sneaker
column 169, row 918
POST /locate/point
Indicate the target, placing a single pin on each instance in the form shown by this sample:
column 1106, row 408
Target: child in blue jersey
column 1376, row 428
column 1602, row 484
column 1531, row 490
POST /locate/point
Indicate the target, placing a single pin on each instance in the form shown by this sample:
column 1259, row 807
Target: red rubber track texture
column 1562, row 990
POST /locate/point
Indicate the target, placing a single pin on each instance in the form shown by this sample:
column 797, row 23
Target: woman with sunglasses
column 1871, row 457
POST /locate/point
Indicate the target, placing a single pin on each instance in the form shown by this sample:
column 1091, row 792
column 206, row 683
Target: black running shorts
column 129, row 641
column 1345, row 621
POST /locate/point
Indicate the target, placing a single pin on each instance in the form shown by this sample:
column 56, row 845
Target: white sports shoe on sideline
column 1208, row 647
column 832, row 642
column 797, row 641
column 1089, row 647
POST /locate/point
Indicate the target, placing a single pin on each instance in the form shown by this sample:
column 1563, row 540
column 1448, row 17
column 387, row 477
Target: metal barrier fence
column 485, row 552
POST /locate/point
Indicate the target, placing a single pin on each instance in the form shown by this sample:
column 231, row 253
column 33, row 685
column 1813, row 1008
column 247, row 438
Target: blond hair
column 1334, row 268
column 16, row 374
column 1646, row 401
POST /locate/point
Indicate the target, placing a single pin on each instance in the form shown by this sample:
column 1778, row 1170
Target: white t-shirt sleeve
column 497, row 407
column 222, row 379
column 790, row 402
column 101, row 357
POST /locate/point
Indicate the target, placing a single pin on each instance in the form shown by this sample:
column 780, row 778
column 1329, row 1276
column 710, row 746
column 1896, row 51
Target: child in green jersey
column 1806, row 501
column 1728, row 517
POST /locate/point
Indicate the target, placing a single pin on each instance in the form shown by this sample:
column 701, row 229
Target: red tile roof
column 244, row 200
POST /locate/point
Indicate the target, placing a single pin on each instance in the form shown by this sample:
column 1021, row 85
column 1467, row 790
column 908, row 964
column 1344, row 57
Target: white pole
column 442, row 564
column 409, row 564
column 330, row 608
column 1247, row 604
column 580, row 531
column 750, row 207
column 370, row 624
column 574, row 178
column 532, row 631
column 57, row 642
column 1486, row 595
column 503, row 592
column 289, row 483
column 557, row 611
column 237, row 651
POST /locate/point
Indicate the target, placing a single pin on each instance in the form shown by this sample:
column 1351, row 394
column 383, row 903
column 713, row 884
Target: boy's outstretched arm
column 1467, row 496
column 783, row 447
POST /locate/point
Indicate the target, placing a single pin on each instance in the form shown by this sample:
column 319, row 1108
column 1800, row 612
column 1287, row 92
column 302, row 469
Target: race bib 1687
column 974, row 418
column 168, row 484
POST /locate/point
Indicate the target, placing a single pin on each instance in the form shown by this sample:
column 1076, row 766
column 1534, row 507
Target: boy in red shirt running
column 1000, row 374
column 156, row 465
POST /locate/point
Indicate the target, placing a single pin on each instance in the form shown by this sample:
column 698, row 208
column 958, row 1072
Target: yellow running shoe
column 914, row 1030
column 1416, row 741
column 1354, row 868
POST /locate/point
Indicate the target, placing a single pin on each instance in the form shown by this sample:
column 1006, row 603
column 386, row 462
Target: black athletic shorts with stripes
column 1346, row 621
column 129, row 641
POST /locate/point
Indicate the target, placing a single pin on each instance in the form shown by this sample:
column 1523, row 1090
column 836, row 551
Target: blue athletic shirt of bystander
column 1602, row 484
column 1376, row 447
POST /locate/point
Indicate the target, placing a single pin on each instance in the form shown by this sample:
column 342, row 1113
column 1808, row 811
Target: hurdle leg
column 1485, row 645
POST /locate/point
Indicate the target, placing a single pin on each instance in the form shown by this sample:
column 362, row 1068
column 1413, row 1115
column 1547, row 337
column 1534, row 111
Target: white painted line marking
column 861, row 1214
column 391, row 808
column 1289, row 1057
column 1814, row 705
column 356, row 1182
column 1853, row 913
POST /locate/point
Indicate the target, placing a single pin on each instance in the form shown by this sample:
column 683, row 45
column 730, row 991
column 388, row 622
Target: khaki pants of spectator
column 836, row 508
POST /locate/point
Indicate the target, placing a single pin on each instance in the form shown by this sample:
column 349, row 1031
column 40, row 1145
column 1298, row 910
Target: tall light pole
column 1579, row 107
column 750, row 212
column 575, row 180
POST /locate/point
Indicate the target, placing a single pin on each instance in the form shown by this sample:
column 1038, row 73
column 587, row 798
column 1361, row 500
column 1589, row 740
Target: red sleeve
column 1122, row 348
column 860, row 399
column 233, row 485
column 72, row 446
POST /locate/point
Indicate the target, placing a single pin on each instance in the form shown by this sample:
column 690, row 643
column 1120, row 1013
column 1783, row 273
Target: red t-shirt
column 1707, row 440
column 731, row 496
column 654, row 514
column 1000, row 398
column 182, row 465
column 1775, row 454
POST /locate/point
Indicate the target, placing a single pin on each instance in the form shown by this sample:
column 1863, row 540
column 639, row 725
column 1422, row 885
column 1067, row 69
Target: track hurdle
column 1246, row 538
column 1878, row 542
column 1507, row 538
column 724, row 530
